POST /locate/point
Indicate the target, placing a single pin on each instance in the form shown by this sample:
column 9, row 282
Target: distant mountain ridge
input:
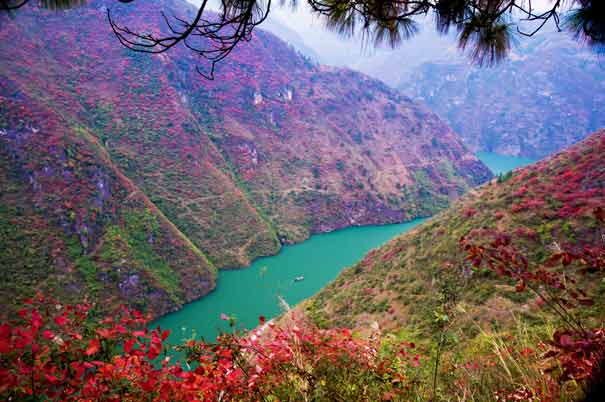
column 148, row 176
column 545, row 97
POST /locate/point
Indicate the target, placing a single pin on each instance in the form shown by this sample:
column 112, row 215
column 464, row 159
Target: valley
column 234, row 167
column 541, row 207
column 262, row 288
column 197, row 208
column 543, row 98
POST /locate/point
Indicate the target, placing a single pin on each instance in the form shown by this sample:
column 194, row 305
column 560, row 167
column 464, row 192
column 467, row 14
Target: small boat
column 299, row 278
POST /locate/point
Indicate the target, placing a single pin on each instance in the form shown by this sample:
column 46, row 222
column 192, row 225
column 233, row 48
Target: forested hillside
column 541, row 209
column 516, row 315
column 72, row 224
column 130, row 159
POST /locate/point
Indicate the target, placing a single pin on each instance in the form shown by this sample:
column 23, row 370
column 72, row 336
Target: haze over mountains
column 144, row 176
column 547, row 96
column 567, row 77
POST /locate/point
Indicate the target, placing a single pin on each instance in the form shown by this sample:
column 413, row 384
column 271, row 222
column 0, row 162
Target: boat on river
column 299, row 278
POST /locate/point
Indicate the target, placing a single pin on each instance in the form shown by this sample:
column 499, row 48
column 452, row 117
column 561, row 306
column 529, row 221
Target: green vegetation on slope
column 71, row 224
column 130, row 178
column 242, row 162
column 422, row 287
column 542, row 207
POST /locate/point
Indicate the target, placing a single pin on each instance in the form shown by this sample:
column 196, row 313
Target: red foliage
column 53, row 352
column 579, row 351
column 470, row 212
column 567, row 185
column 521, row 191
column 526, row 232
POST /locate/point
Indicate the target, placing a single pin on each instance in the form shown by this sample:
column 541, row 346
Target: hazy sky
column 336, row 50
column 306, row 31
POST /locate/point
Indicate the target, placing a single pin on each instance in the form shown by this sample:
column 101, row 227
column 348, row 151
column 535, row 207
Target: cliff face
column 545, row 98
column 220, row 171
column 541, row 207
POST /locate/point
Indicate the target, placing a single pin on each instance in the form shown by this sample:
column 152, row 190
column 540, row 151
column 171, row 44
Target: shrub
column 54, row 352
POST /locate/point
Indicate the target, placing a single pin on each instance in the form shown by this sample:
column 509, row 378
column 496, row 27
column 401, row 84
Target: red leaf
column 61, row 320
column 565, row 340
column 599, row 213
column 128, row 344
column 104, row 333
column 93, row 347
column 4, row 346
column 5, row 338
column 154, row 350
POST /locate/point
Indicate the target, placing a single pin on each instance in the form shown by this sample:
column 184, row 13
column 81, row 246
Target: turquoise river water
column 502, row 163
column 269, row 283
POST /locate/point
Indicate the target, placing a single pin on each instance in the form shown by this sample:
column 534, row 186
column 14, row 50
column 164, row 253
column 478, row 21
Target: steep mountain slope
column 274, row 149
column 545, row 98
column 72, row 224
column 542, row 207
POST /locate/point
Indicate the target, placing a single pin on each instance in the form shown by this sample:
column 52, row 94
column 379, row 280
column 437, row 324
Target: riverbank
column 270, row 282
column 257, row 290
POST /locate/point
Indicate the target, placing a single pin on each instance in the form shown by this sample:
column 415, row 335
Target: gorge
column 409, row 227
column 259, row 290
column 139, row 178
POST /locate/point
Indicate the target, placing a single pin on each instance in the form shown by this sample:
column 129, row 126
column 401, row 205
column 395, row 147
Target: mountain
column 307, row 32
column 145, row 176
column 543, row 207
column 72, row 224
column 542, row 99
column 280, row 29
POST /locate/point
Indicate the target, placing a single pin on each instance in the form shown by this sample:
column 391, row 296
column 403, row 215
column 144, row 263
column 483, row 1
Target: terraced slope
column 542, row 207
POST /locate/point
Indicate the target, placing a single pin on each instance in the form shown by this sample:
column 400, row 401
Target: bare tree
column 212, row 37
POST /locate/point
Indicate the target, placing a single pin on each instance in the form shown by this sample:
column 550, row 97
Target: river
column 257, row 290
column 269, row 283
column 502, row 163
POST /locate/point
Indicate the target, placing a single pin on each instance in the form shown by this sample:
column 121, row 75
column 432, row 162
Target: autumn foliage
column 62, row 352
column 576, row 351
column 56, row 352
